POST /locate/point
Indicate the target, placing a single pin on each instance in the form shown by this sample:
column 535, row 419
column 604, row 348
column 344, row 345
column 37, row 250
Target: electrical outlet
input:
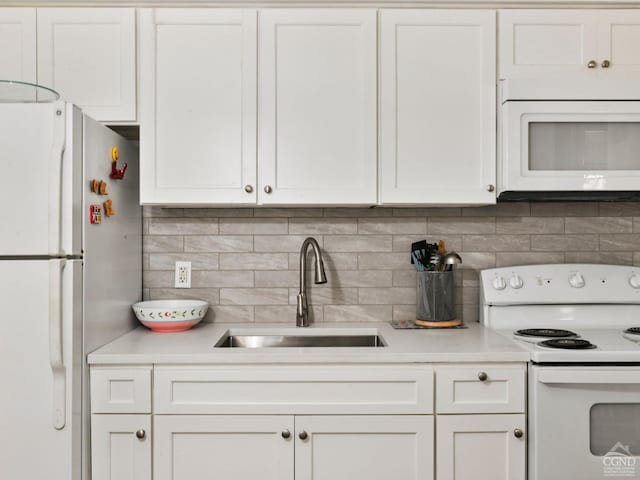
column 183, row 275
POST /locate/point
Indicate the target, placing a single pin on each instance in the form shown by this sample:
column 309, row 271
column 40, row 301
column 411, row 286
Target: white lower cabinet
column 480, row 447
column 121, row 447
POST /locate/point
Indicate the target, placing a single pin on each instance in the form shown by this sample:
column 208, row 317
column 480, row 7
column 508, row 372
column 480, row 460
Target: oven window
column 584, row 146
column 615, row 427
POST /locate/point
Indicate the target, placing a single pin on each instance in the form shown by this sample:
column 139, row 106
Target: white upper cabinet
column 437, row 106
column 88, row 55
column 18, row 44
column 317, row 106
column 198, row 106
column 569, row 43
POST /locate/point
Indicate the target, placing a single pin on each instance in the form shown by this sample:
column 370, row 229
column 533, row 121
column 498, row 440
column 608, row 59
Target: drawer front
column 481, row 389
column 121, row 390
column 294, row 389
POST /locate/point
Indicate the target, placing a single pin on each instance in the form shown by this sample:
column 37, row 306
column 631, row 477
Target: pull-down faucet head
column 302, row 312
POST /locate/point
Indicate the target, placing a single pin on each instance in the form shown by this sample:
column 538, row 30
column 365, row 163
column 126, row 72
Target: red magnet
column 116, row 173
column 95, row 214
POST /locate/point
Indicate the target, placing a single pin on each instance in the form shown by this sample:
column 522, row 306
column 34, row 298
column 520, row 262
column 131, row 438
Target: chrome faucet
column 302, row 312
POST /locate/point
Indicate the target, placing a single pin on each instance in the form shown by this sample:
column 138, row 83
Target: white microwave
column 569, row 141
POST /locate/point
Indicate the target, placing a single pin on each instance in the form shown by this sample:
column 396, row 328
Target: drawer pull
column 606, row 64
column 483, row 377
column 303, row 435
column 286, row 434
column 141, row 434
column 518, row 433
column 592, row 64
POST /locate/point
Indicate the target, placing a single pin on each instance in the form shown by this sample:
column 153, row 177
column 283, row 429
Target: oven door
column 570, row 146
column 584, row 423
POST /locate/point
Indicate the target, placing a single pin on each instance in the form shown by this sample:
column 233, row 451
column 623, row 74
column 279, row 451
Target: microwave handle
column 587, row 376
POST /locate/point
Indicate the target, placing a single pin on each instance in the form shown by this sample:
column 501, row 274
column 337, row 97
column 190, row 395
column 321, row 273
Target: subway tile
column 359, row 278
column 404, row 312
column 257, row 226
column 384, row 261
column 610, row 258
column 145, row 261
column 606, row 225
column 162, row 243
column 385, row 296
column 254, row 296
column 564, row 209
column 510, row 209
column 286, row 314
column 219, row 279
column 562, row 243
column 358, row 212
column 232, row 314
column 288, row 212
column 326, row 295
column 410, row 225
column 453, row 225
column 145, row 226
column 323, row 226
column 218, row 212
column 277, row 278
column 218, row 243
column 524, row 225
column 402, row 243
column 332, row 261
column 470, row 313
column 619, row 209
column 404, row 278
column 358, row 243
column 254, row 261
column 427, row 212
column 477, row 260
column 495, row 243
column 157, row 279
column 210, row 295
column 357, row 313
column 199, row 261
column 621, row 242
column 183, row 226
column 148, row 211
column 470, row 295
column 528, row 258
column 280, row 243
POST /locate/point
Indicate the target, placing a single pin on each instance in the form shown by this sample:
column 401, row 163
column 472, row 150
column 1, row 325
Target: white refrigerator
column 66, row 285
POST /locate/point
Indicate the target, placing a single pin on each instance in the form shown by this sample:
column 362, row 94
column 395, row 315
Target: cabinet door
column 363, row 447
column 438, row 92
column 480, row 447
column 121, row 447
column 234, row 447
column 18, row 40
column 198, row 106
column 618, row 40
column 317, row 106
column 544, row 43
column 88, row 55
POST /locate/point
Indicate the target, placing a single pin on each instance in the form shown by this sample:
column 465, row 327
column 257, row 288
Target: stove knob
column 634, row 281
column 576, row 280
column 516, row 282
column 499, row 283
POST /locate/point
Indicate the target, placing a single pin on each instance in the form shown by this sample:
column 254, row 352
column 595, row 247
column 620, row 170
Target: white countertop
column 472, row 344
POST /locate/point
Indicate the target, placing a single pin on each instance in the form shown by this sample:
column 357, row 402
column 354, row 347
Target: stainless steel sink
column 268, row 341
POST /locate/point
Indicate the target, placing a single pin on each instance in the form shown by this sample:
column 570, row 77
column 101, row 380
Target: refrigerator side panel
column 40, row 423
column 113, row 248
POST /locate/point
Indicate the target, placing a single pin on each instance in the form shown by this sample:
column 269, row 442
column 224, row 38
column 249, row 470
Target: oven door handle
column 589, row 376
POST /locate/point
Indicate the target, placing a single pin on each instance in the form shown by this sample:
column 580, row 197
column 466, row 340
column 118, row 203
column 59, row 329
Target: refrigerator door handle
column 56, row 268
column 55, row 181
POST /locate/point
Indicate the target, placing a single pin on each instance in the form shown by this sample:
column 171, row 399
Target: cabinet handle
column 490, row 188
column 268, row 189
column 141, row 434
column 605, row 64
column 592, row 64
column 518, row 433
column 483, row 377
column 286, row 434
column 248, row 188
column 303, row 435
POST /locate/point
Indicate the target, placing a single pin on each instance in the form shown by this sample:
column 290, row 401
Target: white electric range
column 581, row 324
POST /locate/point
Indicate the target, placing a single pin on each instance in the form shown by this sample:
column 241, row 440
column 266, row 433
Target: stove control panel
column 560, row 284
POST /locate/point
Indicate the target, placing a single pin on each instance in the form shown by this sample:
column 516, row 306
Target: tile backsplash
column 245, row 261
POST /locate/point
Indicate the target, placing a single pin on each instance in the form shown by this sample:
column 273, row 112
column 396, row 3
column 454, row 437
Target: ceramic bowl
column 170, row 315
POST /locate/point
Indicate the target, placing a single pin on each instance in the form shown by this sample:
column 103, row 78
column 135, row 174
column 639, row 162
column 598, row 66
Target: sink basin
column 268, row 341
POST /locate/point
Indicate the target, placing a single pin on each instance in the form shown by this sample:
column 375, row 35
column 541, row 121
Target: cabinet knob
column 490, row 188
column 592, row 64
column 268, row 189
column 518, row 433
column 483, row 377
column 605, row 64
column 248, row 188
column 303, row 435
column 286, row 434
column 141, row 434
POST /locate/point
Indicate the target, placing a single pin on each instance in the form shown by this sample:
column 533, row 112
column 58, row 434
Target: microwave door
column 570, row 146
